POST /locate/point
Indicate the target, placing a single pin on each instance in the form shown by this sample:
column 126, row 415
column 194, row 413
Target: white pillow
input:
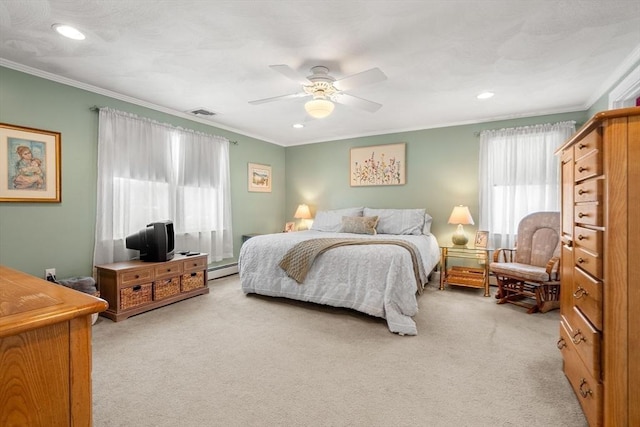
column 398, row 221
column 428, row 220
column 331, row 221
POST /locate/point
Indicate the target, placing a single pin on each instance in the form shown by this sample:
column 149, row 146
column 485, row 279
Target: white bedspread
column 375, row 279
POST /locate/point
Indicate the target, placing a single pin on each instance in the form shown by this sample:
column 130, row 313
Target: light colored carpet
column 227, row 359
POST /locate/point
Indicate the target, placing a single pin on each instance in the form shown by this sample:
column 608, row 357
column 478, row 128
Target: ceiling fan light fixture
column 319, row 108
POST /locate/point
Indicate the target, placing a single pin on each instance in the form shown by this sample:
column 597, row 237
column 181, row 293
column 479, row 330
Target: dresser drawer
column 588, row 239
column 587, row 296
column 588, row 214
column 588, row 145
column 587, row 167
column 588, row 261
column 587, row 388
column 168, row 269
column 136, row 276
column 590, row 190
column 586, row 340
column 194, row 264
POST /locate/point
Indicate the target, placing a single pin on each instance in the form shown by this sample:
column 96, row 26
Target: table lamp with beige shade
column 461, row 216
column 303, row 214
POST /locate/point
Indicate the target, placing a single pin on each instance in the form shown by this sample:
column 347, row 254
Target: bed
column 378, row 274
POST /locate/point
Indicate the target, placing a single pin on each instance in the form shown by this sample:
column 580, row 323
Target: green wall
column 441, row 171
column 441, row 164
column 35, row 236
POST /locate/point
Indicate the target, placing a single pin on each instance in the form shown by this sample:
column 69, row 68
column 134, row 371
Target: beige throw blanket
column 298, row 260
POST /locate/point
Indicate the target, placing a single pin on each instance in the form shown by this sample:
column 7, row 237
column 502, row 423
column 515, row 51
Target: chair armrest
column 503, row 255
column 553, row 266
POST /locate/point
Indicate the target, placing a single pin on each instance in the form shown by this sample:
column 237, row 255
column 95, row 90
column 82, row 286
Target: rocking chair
column 528, row 275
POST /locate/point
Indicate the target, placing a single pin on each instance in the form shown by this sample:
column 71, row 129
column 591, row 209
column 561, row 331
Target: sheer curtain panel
column 150, row 171
column 519, row 174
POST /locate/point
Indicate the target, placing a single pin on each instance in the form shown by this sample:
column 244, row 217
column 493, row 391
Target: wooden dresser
column 45, row 352
column 600, row 276
column 133, row 287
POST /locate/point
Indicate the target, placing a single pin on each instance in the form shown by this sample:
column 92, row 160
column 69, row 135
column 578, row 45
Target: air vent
column 202, row 112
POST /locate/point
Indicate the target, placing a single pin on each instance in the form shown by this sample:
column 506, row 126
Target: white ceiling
column 538, row 56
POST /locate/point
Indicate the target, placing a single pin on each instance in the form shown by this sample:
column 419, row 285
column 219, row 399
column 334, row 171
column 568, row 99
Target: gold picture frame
column 30, row 162
column 482, row 238
column 259, row 178
column 377, row 165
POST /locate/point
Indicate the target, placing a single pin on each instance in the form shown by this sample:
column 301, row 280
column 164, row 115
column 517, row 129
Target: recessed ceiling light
column 485, row 95
column 68, row 31
column 298, row 126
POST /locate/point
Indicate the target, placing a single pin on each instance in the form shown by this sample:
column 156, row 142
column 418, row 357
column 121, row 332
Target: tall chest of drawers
column 600, row 262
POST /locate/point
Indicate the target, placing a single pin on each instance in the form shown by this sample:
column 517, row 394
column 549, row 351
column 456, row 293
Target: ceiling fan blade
column 279, row 98
column 354, row 101
column 353, row 81
column 289, row 72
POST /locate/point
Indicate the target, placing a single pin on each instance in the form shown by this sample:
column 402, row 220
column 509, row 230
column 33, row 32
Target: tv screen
column 155, row 242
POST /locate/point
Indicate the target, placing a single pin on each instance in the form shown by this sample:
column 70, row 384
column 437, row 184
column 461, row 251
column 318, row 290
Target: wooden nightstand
column 246, row 237
column 472, row 277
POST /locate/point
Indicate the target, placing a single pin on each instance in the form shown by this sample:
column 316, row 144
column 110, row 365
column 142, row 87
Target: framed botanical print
column 29, row 165
column 377, row 165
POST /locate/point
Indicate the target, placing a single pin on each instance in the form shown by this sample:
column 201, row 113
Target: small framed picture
column 481, row 239
column 259, row 178
column 289, row 227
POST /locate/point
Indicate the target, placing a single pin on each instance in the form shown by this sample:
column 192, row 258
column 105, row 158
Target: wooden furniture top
column 127, row 265
column 27, row 302
column 595, row 121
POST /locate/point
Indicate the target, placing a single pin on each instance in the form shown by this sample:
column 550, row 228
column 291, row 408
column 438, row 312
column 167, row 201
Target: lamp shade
column 319, row 108
column 460, row 215
column 302, row 212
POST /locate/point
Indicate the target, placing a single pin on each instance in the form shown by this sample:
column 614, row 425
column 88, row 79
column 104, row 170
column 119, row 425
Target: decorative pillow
column 332, row 220
column 428, row 220
column 398, row 221
column 359, row 224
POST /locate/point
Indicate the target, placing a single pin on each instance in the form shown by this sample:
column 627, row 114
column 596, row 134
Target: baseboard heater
column 222, row 271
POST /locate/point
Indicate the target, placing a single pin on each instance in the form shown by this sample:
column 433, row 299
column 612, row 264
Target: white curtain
column 519, row 174
column 150, row 171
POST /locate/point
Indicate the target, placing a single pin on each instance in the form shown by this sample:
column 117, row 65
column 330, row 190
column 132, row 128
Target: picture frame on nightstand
column 482, row 237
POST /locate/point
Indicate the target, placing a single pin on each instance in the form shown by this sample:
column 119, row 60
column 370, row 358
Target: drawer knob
column 582, row 169
column 581, row 260
column 581, row 192
column 581, row 146
column 580, row 292
column 578, row 337
column 581, row 237
column 168, row 270
column 137, row 276
column 584, row 391
column 561, row 343
column 136, row 288
column 580, row 214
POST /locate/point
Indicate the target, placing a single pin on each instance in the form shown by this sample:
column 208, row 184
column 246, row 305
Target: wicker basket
column 135, row 296
column 192, row 281
column 165, row 288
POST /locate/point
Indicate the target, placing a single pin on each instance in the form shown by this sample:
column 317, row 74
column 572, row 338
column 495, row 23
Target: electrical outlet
column 50, row 272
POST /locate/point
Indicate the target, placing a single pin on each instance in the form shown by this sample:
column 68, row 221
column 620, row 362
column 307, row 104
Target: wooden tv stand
column 133, row 287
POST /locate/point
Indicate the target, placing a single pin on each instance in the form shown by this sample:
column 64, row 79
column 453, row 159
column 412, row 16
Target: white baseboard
column 222, row 271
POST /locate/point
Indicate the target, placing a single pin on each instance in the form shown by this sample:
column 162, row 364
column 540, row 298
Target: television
column 155, row 242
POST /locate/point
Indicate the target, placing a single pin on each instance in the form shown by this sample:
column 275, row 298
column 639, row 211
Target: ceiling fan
column 326, row 90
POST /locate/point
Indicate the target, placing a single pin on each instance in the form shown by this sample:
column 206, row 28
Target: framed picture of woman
column 29, row 164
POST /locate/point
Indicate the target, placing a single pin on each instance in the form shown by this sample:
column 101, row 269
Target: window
column 150, row 171
column 519, row 174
